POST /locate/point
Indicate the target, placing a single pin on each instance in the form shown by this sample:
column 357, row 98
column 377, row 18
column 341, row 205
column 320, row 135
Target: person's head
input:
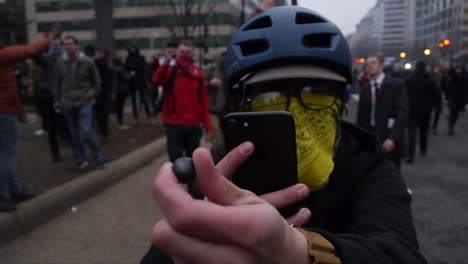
column 374, row 66
column 460, row 70
column 420, row 67
column 133, row 51
column 89, row 51
column 185, row 47
column 171, row 49
column 297, row 62
column 71, row 45
column 56, row 31
column 103, row 53
column 117, row 61
column 267, row 4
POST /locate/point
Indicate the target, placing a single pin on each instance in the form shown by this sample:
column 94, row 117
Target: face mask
column 315, row 135
column 315, row 140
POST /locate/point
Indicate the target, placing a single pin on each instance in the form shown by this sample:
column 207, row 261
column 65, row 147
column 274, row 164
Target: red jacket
column 186, row 103
column 9, row 98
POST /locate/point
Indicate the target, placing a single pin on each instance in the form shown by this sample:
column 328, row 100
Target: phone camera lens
column 232, row 123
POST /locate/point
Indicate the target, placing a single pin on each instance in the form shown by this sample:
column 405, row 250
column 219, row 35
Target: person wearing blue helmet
column 355, row 205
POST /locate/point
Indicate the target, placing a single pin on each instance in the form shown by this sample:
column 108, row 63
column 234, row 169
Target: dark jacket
column 364, row 210
column 103, row 66
column 391, row 111
column 120, row 76
column 422, row 93
column 456, row 89
column 136, row 63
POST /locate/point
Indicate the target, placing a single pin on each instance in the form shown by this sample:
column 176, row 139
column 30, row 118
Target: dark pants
column 102, row 116
column 139, row 96
column 53, row 123
column 41, row 105
column 453, row 117
column 418, row 121
column 119, row 105
column 182, row 140
column 437, row 112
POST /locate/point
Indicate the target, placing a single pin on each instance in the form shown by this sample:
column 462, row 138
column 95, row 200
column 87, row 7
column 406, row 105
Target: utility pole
column 294, row 2
column 104, row 25
column 242, row 13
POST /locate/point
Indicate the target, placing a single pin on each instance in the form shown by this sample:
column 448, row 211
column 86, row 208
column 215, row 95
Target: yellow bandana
column 315, row 140
column 315, row 137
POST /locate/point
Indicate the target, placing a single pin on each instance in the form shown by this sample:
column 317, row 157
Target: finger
column 167, row 191
column 301, row 218
column 217, row 188
column 187, row 249
column 228, row 165
column 288, row 196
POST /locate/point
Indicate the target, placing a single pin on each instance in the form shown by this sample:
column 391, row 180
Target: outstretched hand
column 231, row 224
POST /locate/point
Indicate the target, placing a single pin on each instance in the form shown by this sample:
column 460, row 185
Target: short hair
column 171, row 44
column 380, row 59
column 73, row 38
column 186, row 42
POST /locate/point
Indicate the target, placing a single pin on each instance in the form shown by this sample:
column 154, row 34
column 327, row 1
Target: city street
column 113, row 227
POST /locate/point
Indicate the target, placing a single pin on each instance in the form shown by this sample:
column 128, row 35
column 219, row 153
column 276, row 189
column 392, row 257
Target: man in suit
column 383, row 108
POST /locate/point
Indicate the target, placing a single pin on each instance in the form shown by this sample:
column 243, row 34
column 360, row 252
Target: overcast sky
column 344, row 13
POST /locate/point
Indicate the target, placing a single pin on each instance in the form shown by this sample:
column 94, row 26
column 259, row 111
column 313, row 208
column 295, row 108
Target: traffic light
column 206, row 30
column 446, row 42
column 403, row 55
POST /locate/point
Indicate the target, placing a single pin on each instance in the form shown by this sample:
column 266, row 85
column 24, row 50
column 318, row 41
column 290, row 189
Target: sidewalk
column 60, row 186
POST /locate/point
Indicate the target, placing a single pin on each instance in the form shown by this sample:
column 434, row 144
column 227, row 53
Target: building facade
column 387, row 29
column 141, row 23
column 12, row 22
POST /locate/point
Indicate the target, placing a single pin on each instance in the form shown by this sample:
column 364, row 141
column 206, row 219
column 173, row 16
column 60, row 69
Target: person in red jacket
column 185, row 102
column 10, row 113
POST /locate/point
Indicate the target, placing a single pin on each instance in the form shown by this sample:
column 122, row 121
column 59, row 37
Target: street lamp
column 408, row 66
column 403, row 55
column 427, row 52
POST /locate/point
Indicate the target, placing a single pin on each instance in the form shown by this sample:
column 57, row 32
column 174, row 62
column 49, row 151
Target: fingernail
column 246, row 147
column 305, row 213
column 303, row 190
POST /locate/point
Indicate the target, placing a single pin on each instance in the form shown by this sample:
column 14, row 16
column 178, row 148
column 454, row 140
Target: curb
column 49, row 204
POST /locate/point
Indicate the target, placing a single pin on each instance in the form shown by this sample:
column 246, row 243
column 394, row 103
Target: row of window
column 160, row 43
column 70, row 5
column 143, row 22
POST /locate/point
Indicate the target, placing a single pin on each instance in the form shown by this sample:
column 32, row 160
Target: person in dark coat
column 361, row 214
column 121, row 78
column 455, row 95
column 138, row 85
column 104, row 98
column 440, row 81
column 383, row 108
column 422, row 97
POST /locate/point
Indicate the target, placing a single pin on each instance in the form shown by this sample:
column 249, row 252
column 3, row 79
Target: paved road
column 113, row 227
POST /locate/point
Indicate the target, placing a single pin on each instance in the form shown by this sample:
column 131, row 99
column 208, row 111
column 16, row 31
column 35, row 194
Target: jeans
column 9, row 148
column 81, row 118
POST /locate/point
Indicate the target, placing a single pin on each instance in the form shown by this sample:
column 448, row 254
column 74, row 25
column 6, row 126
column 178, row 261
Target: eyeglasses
column 276, row 96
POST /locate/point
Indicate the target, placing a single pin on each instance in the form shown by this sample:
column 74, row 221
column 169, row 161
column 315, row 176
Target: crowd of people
column 76, row 89
column 406, row 114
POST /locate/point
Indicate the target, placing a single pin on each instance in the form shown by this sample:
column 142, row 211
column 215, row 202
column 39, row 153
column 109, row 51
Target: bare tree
column 187, row 17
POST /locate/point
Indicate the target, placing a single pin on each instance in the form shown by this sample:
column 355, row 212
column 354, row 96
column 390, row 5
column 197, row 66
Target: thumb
column 215, row 186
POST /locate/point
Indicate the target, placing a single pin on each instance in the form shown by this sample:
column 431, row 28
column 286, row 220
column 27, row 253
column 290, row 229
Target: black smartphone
column 273, row 165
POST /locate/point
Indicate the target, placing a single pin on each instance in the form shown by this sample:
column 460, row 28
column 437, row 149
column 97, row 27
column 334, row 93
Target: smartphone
column 273, row 164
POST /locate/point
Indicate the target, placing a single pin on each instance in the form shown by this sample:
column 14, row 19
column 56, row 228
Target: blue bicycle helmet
column 285, row 35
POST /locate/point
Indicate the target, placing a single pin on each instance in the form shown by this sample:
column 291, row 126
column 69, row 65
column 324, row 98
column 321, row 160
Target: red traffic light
column 446, row 42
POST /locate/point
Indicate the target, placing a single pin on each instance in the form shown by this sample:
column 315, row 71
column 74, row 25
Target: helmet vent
column 305, row 18
column 254, row 46
column 261, row 22
column 317, row 40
